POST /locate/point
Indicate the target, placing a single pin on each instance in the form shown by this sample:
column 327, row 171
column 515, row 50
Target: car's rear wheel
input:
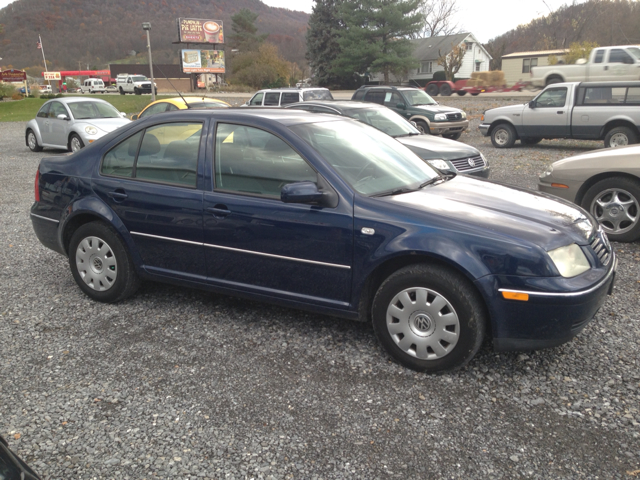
column 615, row 203
column 503, row 136
column 620, row 137
column 32, row 142
column 100, row 263
column 423, row 127
column 75, row 143
column 453, row 136
column 429, row 318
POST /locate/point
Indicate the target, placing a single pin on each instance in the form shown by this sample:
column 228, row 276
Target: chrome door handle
column 218, row 211
column 118, row 196
column 559, row 112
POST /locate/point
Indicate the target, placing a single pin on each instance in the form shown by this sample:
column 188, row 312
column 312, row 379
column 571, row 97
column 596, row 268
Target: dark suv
column 415, row 105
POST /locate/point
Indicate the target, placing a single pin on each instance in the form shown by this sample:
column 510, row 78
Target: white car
column 70, row 123
column 276, row 97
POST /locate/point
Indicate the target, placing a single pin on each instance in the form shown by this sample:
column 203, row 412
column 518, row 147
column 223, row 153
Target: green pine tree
column 322, row 41
column 375, row 37
column 244, row 36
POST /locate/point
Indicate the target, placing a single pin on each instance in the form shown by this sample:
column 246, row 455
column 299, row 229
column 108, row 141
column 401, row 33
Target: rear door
column 150, row 180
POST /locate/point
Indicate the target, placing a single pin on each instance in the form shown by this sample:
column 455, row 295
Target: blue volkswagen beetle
column 330, row 215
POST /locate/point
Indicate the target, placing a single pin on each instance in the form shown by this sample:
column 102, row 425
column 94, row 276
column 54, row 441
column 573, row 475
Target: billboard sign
column 202, row 61
column 13, row 75
column 192, row 30
column 52, row 76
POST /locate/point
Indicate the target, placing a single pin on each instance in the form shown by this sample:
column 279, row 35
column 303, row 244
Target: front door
column 254, row 240
column 150, row 182
column 55, row 132
column 550, row 116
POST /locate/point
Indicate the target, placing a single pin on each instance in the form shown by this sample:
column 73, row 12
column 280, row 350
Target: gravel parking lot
column 178, row 383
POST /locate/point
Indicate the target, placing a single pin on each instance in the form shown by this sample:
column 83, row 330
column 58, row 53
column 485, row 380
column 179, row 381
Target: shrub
column 17, row 96
column 6, row 89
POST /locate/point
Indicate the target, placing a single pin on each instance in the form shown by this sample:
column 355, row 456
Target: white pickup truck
column 137, row 84
column 605, row 64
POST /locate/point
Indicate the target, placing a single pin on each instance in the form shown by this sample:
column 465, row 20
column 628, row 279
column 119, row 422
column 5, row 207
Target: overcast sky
column 486, row 19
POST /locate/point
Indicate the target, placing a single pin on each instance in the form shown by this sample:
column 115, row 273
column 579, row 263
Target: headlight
column 90, row 130
column 439, row 164
column 464, row 115
column 570, row 260
column 440, row 116
column 486, row 162
column 548, row 172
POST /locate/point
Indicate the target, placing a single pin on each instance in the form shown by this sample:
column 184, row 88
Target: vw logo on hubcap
column 422, row 322
column 97, row 264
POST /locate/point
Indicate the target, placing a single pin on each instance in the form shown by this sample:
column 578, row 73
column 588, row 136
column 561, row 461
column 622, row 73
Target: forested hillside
column 605, row 22
column 95, row 32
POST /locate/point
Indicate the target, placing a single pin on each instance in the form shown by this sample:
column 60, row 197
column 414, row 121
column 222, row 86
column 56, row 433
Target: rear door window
column 375, row 96
column 290, row 97
column 272, row 99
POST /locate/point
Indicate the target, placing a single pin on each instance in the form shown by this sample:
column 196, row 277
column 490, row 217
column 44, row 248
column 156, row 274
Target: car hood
column 508, row 110
column 429, row 147
column 518, row 214
column 625, row 159
column 436, row 108
column 106, row 124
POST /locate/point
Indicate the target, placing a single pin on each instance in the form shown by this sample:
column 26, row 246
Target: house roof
column 431, row 48
column 539, row 53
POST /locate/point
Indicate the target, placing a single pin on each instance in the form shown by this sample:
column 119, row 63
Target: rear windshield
column 320, row 94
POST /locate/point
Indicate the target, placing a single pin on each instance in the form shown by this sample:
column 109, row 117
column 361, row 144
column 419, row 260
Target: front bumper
column 484, row 129
column 547, row 319
column 445, row 128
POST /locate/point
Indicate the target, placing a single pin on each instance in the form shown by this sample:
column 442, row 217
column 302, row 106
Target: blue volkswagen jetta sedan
column 327, row 214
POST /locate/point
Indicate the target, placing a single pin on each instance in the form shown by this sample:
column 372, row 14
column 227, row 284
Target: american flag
column 39, row 45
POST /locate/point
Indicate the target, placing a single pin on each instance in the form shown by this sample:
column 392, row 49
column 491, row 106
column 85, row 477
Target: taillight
column 37, row 185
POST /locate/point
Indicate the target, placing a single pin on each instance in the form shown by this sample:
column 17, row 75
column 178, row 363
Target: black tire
column 32, row 141
column 431, row 312
column 100, row 263
column 121, row 91
column 136, row 91
column 423, row 127
column 530, row 140
column 452, row 136
column 475, row 94
column 462, row 93
column 554, row 79
column 75, row 143
column 433, row 90
column 620, row 137
column 445, row 90
column 615, row 203
column 503, row 136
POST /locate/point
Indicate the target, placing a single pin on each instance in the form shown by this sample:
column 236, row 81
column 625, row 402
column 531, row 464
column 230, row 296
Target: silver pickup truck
column 608, row 111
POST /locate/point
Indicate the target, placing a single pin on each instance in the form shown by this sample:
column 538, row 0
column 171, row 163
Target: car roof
column 180, row 101
column 291, row 89
column 285, row 117
column 393, row 87
column 338, row 104
column 78, row 99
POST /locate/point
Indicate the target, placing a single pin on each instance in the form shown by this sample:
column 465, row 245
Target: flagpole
column 43, row 59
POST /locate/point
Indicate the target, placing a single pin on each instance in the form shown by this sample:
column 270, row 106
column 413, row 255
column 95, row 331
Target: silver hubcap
column 501, row 137
column 75, row 144
column 619, row 140
column 32, row 141
column 96, row 263
column 423, row 323
column 616, row 210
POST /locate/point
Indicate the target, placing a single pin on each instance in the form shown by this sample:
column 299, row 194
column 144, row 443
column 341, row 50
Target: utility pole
column 146, row 26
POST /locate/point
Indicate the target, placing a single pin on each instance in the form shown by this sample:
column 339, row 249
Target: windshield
column 316, row 95
column 371, row 163
column 84, row 110
column 385, row 120
column 634, row 51
column 418, row 97
column 139, row 78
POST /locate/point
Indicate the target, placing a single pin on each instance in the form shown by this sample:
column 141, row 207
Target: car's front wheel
column 503, row 136
column 423, row 127
column 429, row 318
column 100, row 263
column 615, row 203
column 32, row 141
column 136, row 91
column 75, row 143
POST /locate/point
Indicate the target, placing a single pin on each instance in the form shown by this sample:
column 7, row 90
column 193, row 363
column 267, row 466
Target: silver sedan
column 71, row 123
column 604, row 182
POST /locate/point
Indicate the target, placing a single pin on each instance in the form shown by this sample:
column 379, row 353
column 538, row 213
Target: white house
column 428, row 50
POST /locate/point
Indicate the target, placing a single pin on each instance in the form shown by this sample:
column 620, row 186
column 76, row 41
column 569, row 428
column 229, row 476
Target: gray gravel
column 177, row 383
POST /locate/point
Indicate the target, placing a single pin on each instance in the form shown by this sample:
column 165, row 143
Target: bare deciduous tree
column 439, row 18
column 452, row 61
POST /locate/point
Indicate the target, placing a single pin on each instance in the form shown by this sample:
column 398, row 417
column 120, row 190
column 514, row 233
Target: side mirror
column 123, row 115
column 414, row 123
column 532, row 104
column 62, row 116
column 134, row 117
column 401, row 106
column 301, row 192
column 13, row 467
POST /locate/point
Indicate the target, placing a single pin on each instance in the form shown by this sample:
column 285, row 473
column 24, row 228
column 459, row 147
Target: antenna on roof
column 167, row 79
